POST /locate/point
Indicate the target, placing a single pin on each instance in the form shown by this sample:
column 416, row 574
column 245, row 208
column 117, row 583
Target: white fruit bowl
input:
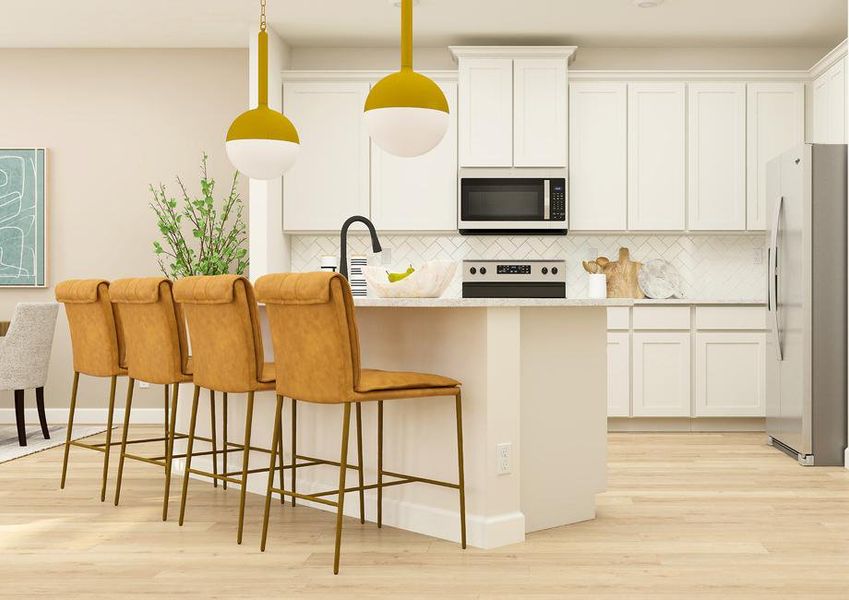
column 428, row 281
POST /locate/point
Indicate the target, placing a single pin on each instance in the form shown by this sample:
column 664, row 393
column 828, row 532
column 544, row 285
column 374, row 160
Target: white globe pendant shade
column 262, row 159
column 406, row 131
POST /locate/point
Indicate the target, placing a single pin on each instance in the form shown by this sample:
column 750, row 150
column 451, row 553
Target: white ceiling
column 374, row 23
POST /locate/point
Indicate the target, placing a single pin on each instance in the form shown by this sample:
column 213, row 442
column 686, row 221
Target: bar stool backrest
column 221, row 312
column 154, row 329
column 316, row 345
column 97, row 337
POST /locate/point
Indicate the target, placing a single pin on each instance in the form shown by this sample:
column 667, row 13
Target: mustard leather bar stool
column 157, row 352
column 98, row 348
column 221, row 312
column 317, row 353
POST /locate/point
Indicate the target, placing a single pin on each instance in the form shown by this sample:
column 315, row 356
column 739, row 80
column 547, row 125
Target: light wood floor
column 687, row 516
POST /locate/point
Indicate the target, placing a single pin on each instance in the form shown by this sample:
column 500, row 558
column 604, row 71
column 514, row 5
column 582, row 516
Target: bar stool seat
column 400, row 383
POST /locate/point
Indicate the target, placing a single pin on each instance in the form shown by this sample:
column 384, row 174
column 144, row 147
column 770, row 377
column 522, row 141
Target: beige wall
column 113, row 122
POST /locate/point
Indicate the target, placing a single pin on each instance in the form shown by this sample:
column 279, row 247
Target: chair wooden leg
column 189, row 445
column 380, row 463
column 276, row 439
column 360, row 460
column 20, row 418
column 343, row 467
column 246, row 458
column 462, row 480
column 279, row 448
column 169, row 453
column 213, row 433
column 122, row 457
column 109, row 417
column 42, row 416
column 224, row 410
column 68, row 434
column 294, row 450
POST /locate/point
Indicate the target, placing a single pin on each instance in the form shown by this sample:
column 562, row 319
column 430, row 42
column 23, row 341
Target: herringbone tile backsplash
column 713, row 267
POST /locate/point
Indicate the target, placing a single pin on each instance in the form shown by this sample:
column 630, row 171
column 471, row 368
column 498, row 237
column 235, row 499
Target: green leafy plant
column 217, row 233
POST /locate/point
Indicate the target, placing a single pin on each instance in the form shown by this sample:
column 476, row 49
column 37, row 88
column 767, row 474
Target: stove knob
column 473, row 270
column 545, row 270
column 554, row 270
column 483, row 270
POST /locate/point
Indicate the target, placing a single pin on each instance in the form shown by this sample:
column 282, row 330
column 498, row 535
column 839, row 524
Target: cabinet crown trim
column 825, row 63
column 687, row 75
column 357, row 75
column 567, row 52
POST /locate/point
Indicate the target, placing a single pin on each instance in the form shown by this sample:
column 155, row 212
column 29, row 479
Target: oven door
column 506, row 205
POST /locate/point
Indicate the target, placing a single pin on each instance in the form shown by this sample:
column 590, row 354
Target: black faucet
column 375, row 243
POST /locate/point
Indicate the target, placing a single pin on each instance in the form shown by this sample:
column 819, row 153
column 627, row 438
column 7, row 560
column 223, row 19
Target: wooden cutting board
column 622, row 276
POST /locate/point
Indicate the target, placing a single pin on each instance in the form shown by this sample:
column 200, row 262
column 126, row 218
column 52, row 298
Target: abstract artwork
column 22, row 217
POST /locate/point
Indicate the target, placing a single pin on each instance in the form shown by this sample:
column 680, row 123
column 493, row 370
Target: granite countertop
column 455, row 302
column 700, row 301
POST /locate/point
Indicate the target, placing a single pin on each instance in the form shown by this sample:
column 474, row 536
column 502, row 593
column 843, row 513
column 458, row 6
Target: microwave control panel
column 558, row 200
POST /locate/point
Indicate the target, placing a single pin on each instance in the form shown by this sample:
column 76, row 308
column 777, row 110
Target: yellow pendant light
column 262, row 143
column 406, row 113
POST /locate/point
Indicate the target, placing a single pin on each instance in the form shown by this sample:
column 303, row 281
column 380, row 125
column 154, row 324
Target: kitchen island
column 534, row 375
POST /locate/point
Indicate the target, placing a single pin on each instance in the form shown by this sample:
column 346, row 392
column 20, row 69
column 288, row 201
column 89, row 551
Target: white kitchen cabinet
column 829, row 91
column 656, row 151
column 418, row 194
column 618, row 374
column 729, row 377
column 775, row 122
column 598, row 157
column 486, row 112
column 661, row 374
column 330, row 180
column 539, row 112
column 716, row 171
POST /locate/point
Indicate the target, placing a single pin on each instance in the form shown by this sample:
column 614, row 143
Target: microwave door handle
column 546, row 200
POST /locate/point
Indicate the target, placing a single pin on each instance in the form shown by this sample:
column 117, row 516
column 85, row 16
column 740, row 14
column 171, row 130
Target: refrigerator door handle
column 773, row 280
column 769, row 279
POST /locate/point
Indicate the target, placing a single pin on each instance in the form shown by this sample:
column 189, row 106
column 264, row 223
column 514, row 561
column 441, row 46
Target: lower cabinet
column 729, row 374
column 661, row 374
column 618, row 378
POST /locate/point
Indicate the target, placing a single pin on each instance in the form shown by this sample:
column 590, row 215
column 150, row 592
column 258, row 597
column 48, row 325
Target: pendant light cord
column 262, row 58
column 406, row 34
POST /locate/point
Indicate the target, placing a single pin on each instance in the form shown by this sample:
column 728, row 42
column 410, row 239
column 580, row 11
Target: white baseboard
column 481, row 531
column 681, row 424
column 86, row 416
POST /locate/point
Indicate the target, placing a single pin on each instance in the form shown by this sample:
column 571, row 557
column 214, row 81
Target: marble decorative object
column 430, row 280
column 659, row 279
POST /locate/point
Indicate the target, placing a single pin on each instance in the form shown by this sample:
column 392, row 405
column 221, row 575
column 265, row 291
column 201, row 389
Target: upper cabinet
column 775, row 122
column 418, row 193
column 512, row 106
column 829, row 92
column 330, row 180
column 656, row 147
column 716, row 172
column 598, row 182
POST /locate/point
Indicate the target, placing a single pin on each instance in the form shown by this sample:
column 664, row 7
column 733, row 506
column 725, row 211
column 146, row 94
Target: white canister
column 597, row 285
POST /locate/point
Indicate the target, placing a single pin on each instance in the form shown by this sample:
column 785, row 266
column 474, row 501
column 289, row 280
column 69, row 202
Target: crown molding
column 687, row 75
column 567, row 52
column 357, row 75
column 823, row 64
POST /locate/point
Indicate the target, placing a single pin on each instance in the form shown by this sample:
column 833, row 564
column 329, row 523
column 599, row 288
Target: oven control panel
column 520, row 270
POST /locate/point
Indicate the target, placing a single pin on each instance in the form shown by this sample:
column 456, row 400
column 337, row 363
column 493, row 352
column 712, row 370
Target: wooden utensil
column 621, row 274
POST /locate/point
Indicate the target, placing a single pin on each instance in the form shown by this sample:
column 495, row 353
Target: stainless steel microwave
column 512, row 205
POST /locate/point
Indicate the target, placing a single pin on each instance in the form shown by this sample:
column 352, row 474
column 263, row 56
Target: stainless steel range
column 514, row 279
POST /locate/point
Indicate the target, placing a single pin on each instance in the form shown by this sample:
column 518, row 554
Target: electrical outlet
column 758, row 256
column 144, row 385
column 504, row 458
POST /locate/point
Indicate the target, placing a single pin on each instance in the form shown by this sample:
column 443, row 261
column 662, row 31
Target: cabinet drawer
column 618, row 317
column 731, row 317
column 661, row 317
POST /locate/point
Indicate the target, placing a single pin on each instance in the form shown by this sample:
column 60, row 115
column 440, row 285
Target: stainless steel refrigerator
column 806, row 298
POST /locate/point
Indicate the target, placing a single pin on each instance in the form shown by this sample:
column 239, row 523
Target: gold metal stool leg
column 166, row 420
column 279, row 448
column 213, row 433
column 224, row 434
column 462, row 481
column 246, row 456
column 108, row 449
column 343, row 467
column 169, row 453
column 380, row 463
column 131, row 384
column 294, row 450
column 191, row 442
column 277, row 438
column 360, row 460
column 68, row 434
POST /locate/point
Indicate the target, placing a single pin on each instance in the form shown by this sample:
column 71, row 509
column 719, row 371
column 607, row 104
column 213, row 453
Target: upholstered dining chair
column 97, row 342
column 24, row 356
column 227, row 353
column 317, row 354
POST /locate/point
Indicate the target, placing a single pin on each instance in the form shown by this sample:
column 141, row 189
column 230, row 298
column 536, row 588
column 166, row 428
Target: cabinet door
column 618, row 375
column 330, row 180
column 598, row 156
column 716, row 171
column 539, row 112
column 486, row 112
column 656, row 156
column 836, row 127
column 661, row 374
column 418, row 194
column 775, row 122
column 821, row 106
column 729, row 374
